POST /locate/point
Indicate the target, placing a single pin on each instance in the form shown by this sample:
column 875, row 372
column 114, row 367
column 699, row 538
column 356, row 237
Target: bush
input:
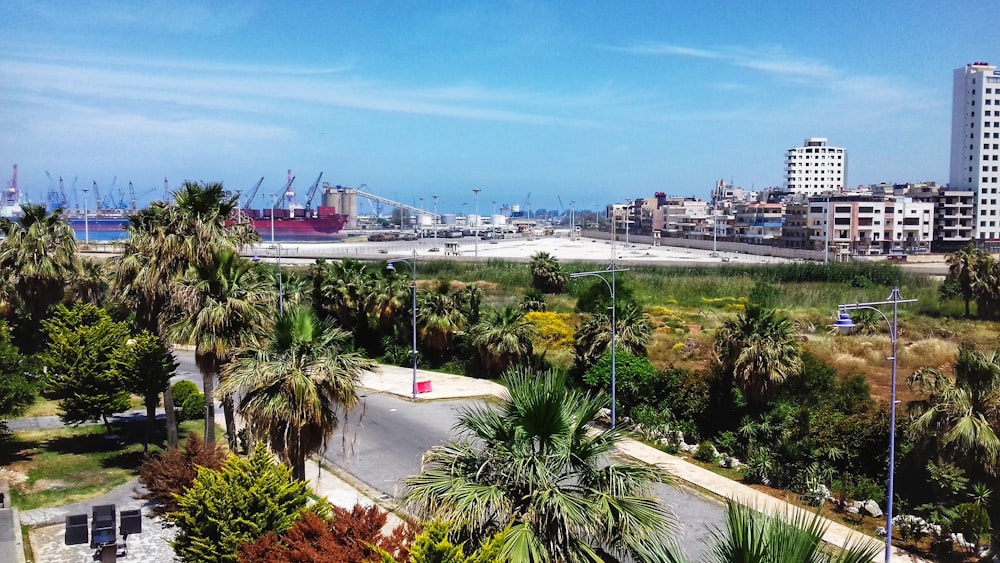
column 706, row 452
column 173, row 471
column 635, row 379
column 193, row 407
column 726, row 441
column 247, row 498
column 182, row 390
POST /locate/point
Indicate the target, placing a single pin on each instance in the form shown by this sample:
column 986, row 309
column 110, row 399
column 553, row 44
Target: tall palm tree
column 962, row 268
column 293, row 387
column 759, row 349
column 37, row 259
column 503, row 339
column 751, row 536
column 226, row 305
column 533, row 468
column 961, row 416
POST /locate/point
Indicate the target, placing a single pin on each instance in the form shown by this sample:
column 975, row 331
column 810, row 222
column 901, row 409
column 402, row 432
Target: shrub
column 706, row 452
column 182, row 390
column 193, row 407
column 635, row 378
column 350, row 535
column 173, row 471
column 726, row 441
column 245, row 499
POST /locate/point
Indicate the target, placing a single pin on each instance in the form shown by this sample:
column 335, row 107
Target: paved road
column 383, row 441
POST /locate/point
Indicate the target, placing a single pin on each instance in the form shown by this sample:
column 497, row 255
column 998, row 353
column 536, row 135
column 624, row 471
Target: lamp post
column 845, row 324
column 274, row 203
column 611, row 287
column 412, row 263
column 420, row 219
column 86, row 220
column 475, row 232
column 435, row 218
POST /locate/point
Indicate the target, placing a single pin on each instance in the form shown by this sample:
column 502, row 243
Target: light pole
column 475, row 231
column 412, row 263
column 274, row 203
column 420, row 219
column 435, row 218
column 86, row 219
column 572, row 221
column 845, row 324
column 611, row 287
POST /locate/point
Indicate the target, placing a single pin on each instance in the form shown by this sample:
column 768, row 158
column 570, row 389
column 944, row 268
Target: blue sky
column 593, row 101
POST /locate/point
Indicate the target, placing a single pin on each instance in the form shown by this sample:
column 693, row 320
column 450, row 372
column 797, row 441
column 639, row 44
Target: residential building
column 954, row 214
column 795, row 231
column 975, row 144
column 864, row 224
column 759, row 223
column 815, row 168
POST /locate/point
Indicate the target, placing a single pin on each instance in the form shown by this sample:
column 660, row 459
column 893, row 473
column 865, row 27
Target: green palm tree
column 633, row 331
column 439, row 318
column 226, row 305
column 533, row 469
column 546, row 274
column 38, row 258
column 345, row 292
column 751, row 536
column 962, row 268
column 760, row 350
column 503, row 339
column 294, row 386
column 961, row 416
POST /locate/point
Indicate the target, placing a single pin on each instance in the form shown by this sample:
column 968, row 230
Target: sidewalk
column 398, row 381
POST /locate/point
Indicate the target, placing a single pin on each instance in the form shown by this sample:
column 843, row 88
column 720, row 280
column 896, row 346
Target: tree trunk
column 299, row 469
column 227, row 409
column 151, row 402
column 168, row 405
column 208, row 386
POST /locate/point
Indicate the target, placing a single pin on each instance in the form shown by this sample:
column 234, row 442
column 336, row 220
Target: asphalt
column 343, row 490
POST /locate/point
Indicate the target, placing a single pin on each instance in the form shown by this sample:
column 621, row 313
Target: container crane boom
column 253, row 193
column 312, row 191
column 99, row 204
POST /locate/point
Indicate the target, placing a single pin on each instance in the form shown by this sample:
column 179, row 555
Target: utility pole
column 435, row 218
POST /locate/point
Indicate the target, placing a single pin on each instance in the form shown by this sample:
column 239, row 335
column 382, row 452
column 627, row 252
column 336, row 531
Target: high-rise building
column 975, row 143
column 814, row 168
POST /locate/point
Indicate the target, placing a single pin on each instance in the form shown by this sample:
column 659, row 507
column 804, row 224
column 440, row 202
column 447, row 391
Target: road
column 382, row 443
column 383, row 440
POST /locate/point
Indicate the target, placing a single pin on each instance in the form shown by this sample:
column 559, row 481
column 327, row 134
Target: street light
column 412, row 263
column 572, row 221
column 435, row 218
column 475, row 232
column 611, row 287
column 844, row 324
column 86, row 220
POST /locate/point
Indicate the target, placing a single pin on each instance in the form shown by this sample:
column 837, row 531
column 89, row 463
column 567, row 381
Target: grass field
column 67, row 465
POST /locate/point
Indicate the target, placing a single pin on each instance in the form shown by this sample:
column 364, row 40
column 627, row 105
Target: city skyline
column 592, row 101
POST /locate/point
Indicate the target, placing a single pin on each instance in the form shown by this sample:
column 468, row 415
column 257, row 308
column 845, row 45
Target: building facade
column 864, row 224
column 815, row 168
column 975, row 144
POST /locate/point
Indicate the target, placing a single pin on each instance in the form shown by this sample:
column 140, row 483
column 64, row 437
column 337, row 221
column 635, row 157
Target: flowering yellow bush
column 554, row 330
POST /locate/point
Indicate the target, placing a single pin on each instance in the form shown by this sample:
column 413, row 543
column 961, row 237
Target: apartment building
column 954, row 213
column 758, row 223
column 815, row 168
column 975, row 144
column 865, row 224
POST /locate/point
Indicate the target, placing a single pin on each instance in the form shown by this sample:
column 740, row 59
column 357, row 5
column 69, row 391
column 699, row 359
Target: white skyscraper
column 975, row 143
column 815, row 168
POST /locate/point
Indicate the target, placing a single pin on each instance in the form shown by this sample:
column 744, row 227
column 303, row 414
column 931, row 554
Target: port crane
column 253, row 193
column 312, row 191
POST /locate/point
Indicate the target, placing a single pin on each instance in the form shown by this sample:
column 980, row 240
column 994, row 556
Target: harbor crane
column 311, row 193
column 253, row 193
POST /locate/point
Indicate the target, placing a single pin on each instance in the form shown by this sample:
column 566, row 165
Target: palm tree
column 293, row 387
column 37, row 259
column 751, row 536
column 503, row 339
column 962, row 268
column 439, row 318
column 226, row 305
column 633, row 331
column 960, row 417
column 532, row 468
column 546, row 273
column 759, row 349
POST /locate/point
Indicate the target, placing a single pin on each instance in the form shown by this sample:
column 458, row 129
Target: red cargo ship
column 297, row 224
